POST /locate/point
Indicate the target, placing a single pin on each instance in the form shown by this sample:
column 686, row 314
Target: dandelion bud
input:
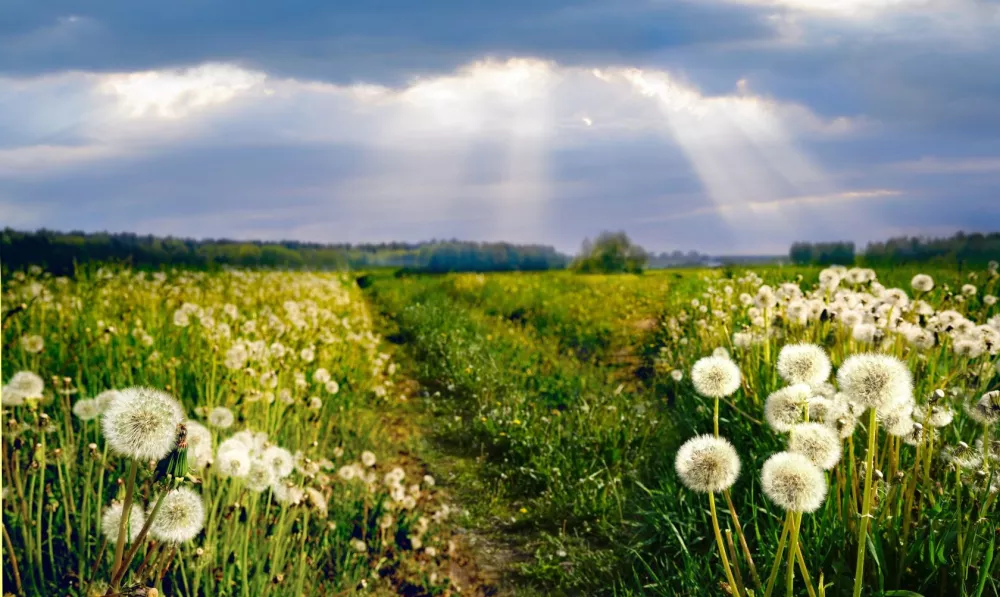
column 715, row 377
column 180, row 518
column 112, row 518
column 141, row 423
column 817, row 442
column 793, row 482
column 873, row 380
column 707, row 464
column 803, row 363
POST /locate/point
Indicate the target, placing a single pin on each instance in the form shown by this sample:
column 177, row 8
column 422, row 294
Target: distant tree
column 804, row 253
column 610, row 252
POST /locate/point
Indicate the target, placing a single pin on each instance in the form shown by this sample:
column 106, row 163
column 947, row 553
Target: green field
column 535, row 420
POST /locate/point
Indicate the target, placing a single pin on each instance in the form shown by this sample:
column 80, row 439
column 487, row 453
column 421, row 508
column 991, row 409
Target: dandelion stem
column 13, row 559
column 793, row 548
column 716, row 418
column 866, row 506
column 743, row 540
column 777, row 557
column 133, row 468
column 718, row 541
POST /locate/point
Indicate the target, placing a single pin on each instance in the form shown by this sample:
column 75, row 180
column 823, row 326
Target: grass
column 551, row 404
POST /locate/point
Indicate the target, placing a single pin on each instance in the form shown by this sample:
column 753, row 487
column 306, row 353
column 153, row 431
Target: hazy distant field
column 346, row 435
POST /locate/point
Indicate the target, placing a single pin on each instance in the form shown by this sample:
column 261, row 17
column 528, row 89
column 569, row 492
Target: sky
column 723, row 126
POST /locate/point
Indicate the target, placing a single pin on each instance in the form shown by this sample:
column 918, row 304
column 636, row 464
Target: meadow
column 679, row 432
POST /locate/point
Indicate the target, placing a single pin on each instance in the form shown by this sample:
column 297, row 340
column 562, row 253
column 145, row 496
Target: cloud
column 741, row 124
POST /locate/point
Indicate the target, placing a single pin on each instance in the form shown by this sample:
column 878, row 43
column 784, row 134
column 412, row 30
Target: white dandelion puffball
column 987, row 409
column 221, row 417
column 33, row 344
column 112, row 519
column 180, row 518
column 141, row 423
column 87, row 409
column 937, row 415
column 260, row 477
column 803, row 363
column 368, row 458
column 24, row 385
column 332, row 387
column 715, row 377
column 783, row 409
column 707, row 464
column 922, row 283
column 677, row 375
column 793, row 482
column 233, row 460
column 199, row 441
column 104, row 398
column 280, row 460
column 872, row 380
column 817, row 442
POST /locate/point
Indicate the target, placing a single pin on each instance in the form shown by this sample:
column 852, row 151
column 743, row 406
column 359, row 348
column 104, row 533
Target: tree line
column 60, row 252
column 975, row 249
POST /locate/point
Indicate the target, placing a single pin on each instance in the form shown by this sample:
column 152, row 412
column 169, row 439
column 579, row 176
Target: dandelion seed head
column 141, row 423
column 783, row 409
column 368, row 458
column 86, row 409
column 221, row 417
column 199, row 441
column 987, row 408
column 24, row 385
column 817, row 442
column 793, row 482
column 937, row 415
column 112, row 518
column 872, row 380
column 715, row 377
column 707, row 464
column 105, row 398
column 922, row 283
column 180, row 518
column 803, row 363
column 32, row 344
column 280, row 460
column 233, row 459
column 260, row 476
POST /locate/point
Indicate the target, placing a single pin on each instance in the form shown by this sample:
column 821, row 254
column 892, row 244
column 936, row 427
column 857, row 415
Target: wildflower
column 181, row 318
column 321, row 376
column 677, row 374
column 317, row 500
column 307, row 354
column 233, row 458
column 260, row 476
column 896, row 416
column 817, row 442
column 87, row 409
column 180, row 518
column 962, row 455
column 864, row 333
column 803, row 363
column 332, row 387
column 287, row 493
column 33, row 344
column 221, row 417
column 368, row 458
column 707, row 464
column 112, row 519
column 968, row 290
column 104, row 399
column 715, row 377
column 872, row 380
column 783, row 408
column 199, row 441
column 793, row 482
column 141, row 423
column 987, row 409
column 936, row 415
column 280, row 460
column 359, row 545
column 922, row 283
column 24, row 385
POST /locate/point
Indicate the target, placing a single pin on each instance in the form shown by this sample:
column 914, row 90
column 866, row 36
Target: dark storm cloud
column 384, row 41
